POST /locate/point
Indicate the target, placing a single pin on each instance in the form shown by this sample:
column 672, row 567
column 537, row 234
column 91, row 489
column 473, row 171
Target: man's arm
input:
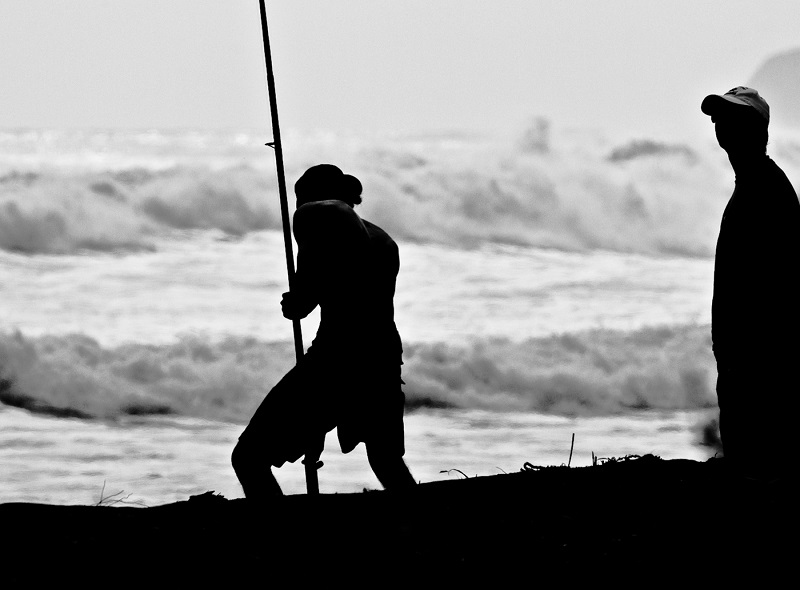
column 303, row 298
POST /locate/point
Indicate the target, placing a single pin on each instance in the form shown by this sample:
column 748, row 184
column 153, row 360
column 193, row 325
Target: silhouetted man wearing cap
column 755, row 324
column 350, row 377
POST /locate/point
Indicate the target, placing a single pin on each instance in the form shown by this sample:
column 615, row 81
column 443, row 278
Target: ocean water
column 150, row 461
column 552, row 284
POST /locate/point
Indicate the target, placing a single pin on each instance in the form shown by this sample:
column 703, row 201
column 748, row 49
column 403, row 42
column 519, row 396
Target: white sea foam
column 65, row 192
column 601, row 372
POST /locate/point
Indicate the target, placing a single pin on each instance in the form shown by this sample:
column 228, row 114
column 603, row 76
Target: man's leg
column 756, row 436
column 385, row 440
column 254, row 472
column 389, row 467
column 733, row 415
column 278, row 432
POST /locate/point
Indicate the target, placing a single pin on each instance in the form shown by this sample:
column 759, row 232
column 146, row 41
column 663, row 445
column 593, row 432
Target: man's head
column 741, row 119
column 326, row 181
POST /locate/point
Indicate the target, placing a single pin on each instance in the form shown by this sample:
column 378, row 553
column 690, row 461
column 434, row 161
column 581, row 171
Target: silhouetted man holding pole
column 755, row 324
column 350, row 377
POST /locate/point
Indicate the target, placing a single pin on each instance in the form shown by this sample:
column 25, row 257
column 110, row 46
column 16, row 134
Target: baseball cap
column 741, row 95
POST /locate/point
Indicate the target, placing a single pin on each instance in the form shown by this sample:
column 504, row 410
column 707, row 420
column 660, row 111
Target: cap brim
column 714, row 103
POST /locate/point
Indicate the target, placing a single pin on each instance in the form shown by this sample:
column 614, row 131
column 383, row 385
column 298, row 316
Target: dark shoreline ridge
column 638, row 519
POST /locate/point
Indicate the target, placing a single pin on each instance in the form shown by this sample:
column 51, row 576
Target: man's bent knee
column 253, row 472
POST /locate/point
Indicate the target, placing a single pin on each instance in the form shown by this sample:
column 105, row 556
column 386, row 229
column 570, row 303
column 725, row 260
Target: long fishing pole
column 311, row 462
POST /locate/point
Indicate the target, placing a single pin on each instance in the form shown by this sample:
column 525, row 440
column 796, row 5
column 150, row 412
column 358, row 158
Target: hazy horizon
column 632, row 68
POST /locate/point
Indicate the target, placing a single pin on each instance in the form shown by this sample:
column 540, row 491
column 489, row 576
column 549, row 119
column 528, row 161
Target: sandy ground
column 644, row 521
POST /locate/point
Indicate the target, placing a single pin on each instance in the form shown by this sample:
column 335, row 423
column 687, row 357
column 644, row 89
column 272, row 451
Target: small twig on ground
column 528, row 466
column 572, row 446
column 605, row 460
column 104, row 500
column 449, row 470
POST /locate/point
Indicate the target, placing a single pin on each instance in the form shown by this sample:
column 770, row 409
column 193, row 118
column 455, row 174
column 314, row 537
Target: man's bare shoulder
column 372, row 228
column 377, row 233
column 326, row 217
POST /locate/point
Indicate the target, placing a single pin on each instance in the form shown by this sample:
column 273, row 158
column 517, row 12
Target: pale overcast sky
column 633, row 66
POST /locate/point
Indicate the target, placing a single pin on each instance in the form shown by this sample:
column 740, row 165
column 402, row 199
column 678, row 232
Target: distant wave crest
column 59, row 212
column 599, row 372
column 567, row 190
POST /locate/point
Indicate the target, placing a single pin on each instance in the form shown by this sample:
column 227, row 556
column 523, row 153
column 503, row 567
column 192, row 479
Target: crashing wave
column 593, row 373
column 548, row 188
